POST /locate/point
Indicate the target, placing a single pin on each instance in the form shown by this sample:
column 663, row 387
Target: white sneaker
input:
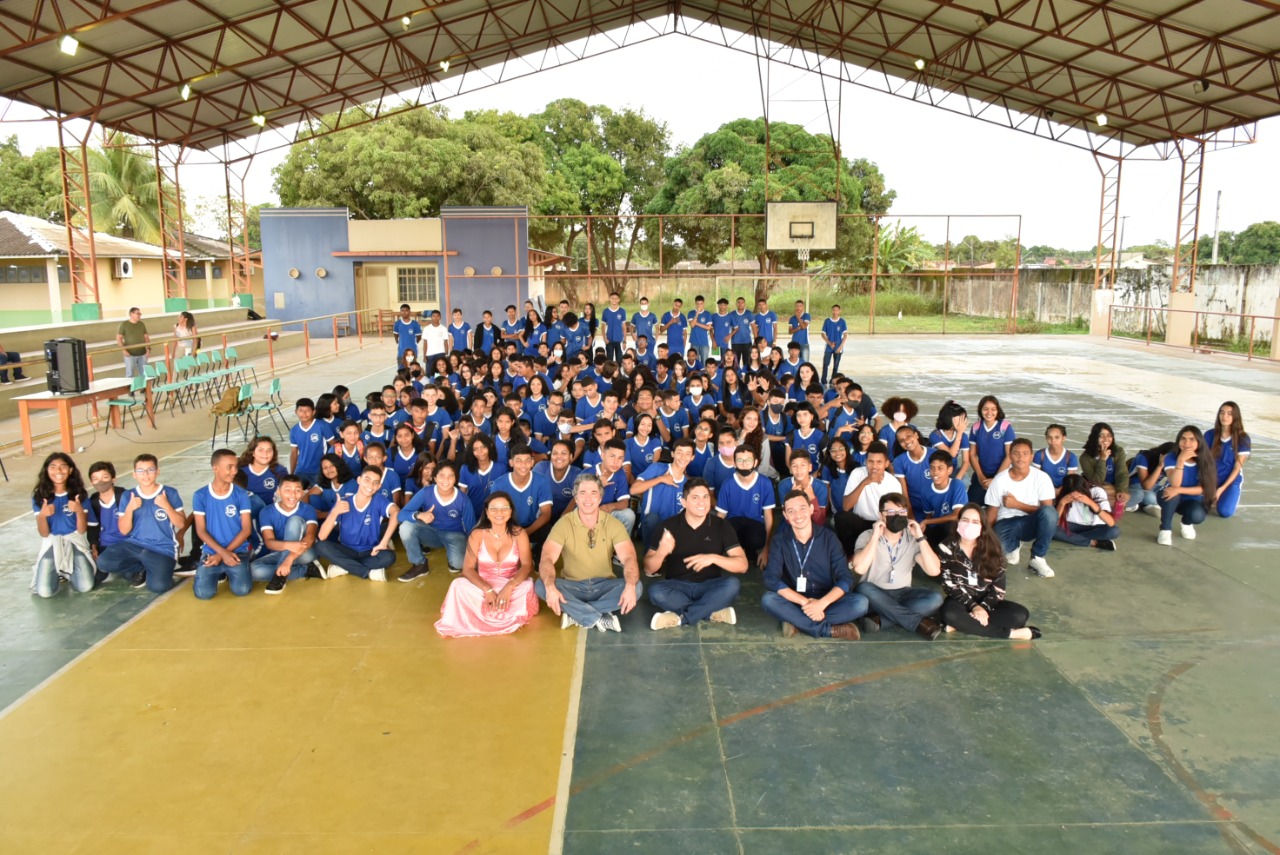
column 1128, row 509
column 602, row 625
column 726, row 615
column 378, row 575
column 565, row 621
column 335, row 571
column 1188, row 531
column 665, row 620
column 1040, row 567
column 1151, row 510
column 1164, row 538
column 611, row 622
column 1012, row 558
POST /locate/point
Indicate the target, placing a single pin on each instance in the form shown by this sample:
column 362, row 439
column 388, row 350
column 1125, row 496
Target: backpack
column 229, row 404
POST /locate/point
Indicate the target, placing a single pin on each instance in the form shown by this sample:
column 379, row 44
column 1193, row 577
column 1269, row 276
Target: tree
column 901, row 249
column 1258, row 244
column 724, row 173
column 123, row 189
column 413, row 163
column 27, row 187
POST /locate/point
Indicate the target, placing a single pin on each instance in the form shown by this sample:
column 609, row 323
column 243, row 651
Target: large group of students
column 582, row 461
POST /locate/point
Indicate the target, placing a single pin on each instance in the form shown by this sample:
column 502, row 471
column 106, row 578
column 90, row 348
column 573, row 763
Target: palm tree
column 122, row 184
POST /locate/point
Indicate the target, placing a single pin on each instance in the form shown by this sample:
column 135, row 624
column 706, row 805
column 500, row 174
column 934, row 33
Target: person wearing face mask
column 695, row 399
column 973, row 576
column 777, row 426
column 719, row 469
column 747, row 500
column 884, row 560
column 899, row 413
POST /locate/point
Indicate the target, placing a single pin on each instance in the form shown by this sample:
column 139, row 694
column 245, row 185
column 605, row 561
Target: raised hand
column 46, row 509
column 135, row 502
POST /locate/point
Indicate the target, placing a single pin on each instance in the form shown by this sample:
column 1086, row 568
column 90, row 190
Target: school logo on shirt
column 161, row 516
column 995, row 434
column 367, row 519
column 315, row 437
column 230, row 511
column 268, row 483
column 755, row 498
column 453, row 514
column 529, row 501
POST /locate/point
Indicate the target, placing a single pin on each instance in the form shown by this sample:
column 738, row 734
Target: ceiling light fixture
column 406, row 22
column 919, row 65
column 259, row 119
column 186, row 92
column 444, row 66
column 1200, row 86
column 68, row 45
column 1101, row 119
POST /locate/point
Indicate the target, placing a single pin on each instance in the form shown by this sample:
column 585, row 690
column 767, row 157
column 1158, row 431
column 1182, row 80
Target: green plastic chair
column 136, row 385
column 178, row 385
column 243, row 417
column 271, row 407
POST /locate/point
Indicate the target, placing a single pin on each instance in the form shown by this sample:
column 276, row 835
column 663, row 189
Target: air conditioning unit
column 124, row 268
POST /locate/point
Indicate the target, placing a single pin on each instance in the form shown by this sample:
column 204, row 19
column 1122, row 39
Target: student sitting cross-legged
column 223, row 523
column 363, row 545
column 288, row 528
column 149, row 517
column 886, row 556
column 439, row 516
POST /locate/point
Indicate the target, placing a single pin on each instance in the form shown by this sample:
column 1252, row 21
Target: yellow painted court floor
column 330, row 719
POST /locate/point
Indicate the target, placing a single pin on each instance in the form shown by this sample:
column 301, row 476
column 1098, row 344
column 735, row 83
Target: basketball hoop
column 803, row 252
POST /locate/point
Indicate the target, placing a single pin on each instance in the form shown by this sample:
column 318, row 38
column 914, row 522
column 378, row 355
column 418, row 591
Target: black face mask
column 896, row 524
column 745, row 473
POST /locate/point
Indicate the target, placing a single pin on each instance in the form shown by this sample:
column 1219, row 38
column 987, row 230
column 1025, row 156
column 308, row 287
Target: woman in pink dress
column 494, row 595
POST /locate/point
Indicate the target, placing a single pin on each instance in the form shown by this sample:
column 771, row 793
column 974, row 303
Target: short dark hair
column 305, row 402
column 103, row 466
column 521, row 450
column 941, row 455
column 1022, row 440
column 144, row 457
column 878, row 447
column 892, row 499
column 220, row 454
column 692, row 484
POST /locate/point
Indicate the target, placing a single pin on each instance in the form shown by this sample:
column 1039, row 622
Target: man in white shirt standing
column 1020, row 507
column 435, row 341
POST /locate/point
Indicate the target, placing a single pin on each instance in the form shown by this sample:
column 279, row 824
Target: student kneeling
column 362, row 547
column 224, row 521
column 697, row 555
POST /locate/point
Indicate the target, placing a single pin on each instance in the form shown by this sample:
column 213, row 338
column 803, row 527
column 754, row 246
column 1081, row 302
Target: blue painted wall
column 306, row 238
column 484, row 238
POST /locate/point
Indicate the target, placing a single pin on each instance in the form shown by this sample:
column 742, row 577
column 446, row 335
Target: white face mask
column 899, row 416
column 968, row 530
column 695, row 391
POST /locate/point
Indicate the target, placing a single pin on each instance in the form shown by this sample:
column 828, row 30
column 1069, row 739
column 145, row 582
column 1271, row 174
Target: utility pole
column 1217, row 214
column 1120, row 253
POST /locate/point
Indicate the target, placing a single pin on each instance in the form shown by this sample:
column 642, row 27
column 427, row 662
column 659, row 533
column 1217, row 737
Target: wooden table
column 99, row 390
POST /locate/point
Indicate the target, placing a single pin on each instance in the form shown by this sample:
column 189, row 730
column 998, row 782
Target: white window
column 418, row 285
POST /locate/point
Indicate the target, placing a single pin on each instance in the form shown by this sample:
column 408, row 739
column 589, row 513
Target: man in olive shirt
column 699, row 558
column 576, row 572
column 132, row 335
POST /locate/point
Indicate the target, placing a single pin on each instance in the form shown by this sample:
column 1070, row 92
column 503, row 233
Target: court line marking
column 561, row 798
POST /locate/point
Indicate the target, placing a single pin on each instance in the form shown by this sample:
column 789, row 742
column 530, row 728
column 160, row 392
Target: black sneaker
column 314, row 571
column 417, row 571
column 1106, row 545
column 99, row 578
column 276, row 585
column 138, row 580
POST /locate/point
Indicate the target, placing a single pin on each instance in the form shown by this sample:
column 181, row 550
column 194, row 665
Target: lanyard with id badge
column 802, row 581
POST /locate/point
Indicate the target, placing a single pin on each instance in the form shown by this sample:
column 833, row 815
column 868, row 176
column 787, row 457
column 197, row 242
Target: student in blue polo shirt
column 951, row 434
column 149, row 516
column 674, row 417
column 407, row 331
column 1193, row 485
column 512, row 326
column 766, row 322
column 660, row 489
column 223, row 521
column 615, row 328
column 835, row 330
column 941, row 500
column 58, row 501
column 700, row 331
column 777, row 426
column 747, row 500
column 459, row 331
column 289, row 528
column 798, row 324
column 643, row 322
column 308, row 441
column 261, row 466
column 530, row 494
column 743, row 323
column 912, row 466
column 479, row 470
column 722, row 326
column 559, row 472
column 1056, row 460
column 439, row 516
column 805, row 435
column 575, row 334
column 1231, row 448
column 675, row 325
column 363, row 545
column 989, row 443
column 801, row 478
column 104, row 528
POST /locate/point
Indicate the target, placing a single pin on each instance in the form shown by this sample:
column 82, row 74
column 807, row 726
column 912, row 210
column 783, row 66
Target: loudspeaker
column 68, row 365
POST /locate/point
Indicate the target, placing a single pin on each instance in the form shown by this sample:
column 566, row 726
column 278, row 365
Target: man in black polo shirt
column 698, row 556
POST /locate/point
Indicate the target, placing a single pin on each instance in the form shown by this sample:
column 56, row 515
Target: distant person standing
column 834, row 331
column 187, row 333
column 798, row 323
column 615, row 328
column 408, row 331
column 132, row 335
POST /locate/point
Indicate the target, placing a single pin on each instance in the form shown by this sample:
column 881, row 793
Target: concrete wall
column 484, row 238
column 420, row 235
column 305, row 239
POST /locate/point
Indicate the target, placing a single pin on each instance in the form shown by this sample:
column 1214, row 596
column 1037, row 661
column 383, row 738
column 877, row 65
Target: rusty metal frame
column 1186, row 249
column 172, row 231
column 1104, row 271
column 239, row 254
column 77, row 204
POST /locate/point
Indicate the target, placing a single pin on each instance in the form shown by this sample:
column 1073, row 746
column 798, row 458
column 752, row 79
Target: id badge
column 801, row 584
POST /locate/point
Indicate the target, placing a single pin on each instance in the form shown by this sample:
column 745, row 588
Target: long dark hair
column 340, row 466
column 247, row 457
column 988, row 553
column 1237, row 429
column 1091, row 445
column 485, row 523
column 947, row 414
column 469, row 459
column 44, row 490
column 1206, row 465
column 324, row 406
column 830, row 465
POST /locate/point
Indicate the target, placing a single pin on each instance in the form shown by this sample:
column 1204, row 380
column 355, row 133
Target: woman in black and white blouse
column 974, row 580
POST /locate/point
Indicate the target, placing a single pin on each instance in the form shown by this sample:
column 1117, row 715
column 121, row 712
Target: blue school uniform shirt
column 361, row 528
column 676, row 325
column 722, row 328
column 263, row 484
column 1227, row 453
column 741, row 322
column 616, row 488
column 459, row 335
column 562, row 490
column 733, row 399
column 767, row 325
column 799, row 334
column 664, row 500
column 354, row 460
column 407, row 334
column 812, row 444
column 775, row 424
column 640, row 457
column 1056, row 470
column 537, row 337
column 586, row 412
column 615, row 324
column 916, row 474
column 644, row 325
column 477, row 484
column 512, row 328
column 677, row 423
column 1190, row 471
column 839, row 480
column 691, row 407
column 455, row 516
column 935, row 503
column 717, row 471
column 526, row 504
column 939, row 440
column 842, row 417
column 400, row 464
column 991, row 443
column 545, row 426
column 152, row 528
column 329, row 496
column 274, row 519
column 649, row 359
column 834, row 330
column 312, row 444
column 698, row 465
column 108, row 524
column 575, row 340
column 386, row 438
column 390, row 483
column 63, row 521
column 485, row 337
column 734, row 500
column 699, row 337
column 821, row 490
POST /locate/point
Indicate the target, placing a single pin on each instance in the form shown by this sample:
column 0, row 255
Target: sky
column 938, row 162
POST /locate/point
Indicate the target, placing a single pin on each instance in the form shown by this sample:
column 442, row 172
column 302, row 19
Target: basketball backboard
column 800, row 226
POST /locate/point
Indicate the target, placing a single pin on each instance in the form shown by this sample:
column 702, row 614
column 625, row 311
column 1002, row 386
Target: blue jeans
column 613, row 351
column 1141, row 497
column 847, row 609
column 704, row 352
column 1038, row 527
column 355, row 563
column 263, row 568
column 239, row 577
column 1191, row 508
column 1083, row 535
column 694, row 601
column 7, row 356
column 831, row 358
column 1230, row 499
column 587, row 600
column 415, row 535
column 804, row 353
column 650, row 525
column 47, row 578
column 126, row 558
column 626, row 516
column 905, row 607
column 134, row 365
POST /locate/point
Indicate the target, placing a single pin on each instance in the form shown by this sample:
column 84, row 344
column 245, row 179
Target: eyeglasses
column 894, row 513
column 591, row 538
column 150, row 471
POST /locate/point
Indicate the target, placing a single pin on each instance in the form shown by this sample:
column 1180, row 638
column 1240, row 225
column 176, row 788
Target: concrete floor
column 333, row 719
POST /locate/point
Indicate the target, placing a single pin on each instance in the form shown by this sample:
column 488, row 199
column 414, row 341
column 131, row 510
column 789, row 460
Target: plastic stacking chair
column 179, row 384
column 232, row 405
column 271, row 407
column 232, row 360
column 136, row 385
